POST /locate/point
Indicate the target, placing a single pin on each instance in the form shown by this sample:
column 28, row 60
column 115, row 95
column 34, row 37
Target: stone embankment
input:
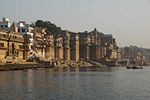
column 20, row 66
column 35, row 65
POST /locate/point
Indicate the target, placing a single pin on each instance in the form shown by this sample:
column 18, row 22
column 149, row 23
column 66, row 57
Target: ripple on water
column 76, row 84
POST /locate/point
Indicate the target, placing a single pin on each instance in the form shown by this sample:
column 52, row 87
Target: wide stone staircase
column 42, row 62
column 94, row 63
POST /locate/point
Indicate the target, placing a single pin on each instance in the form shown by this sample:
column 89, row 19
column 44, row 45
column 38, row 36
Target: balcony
column 4, row 36
column 16, row 38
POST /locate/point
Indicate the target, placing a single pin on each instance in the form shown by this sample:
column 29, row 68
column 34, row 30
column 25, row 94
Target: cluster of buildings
column 19, row 43
column 133, row 55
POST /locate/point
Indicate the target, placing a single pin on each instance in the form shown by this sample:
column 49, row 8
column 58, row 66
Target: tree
column 50, row 26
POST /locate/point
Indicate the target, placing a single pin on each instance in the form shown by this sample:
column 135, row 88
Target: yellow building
column 39, row 45
column 59, row 48
column 66, row 46
column 11, row 47
column 50, row 52
column 74, row 45
column 3, row 45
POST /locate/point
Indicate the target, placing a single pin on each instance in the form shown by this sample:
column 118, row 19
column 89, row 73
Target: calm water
column 76, row 84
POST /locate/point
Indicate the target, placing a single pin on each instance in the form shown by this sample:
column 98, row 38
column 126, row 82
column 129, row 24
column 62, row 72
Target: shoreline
column 9, row 67
column 34, row 66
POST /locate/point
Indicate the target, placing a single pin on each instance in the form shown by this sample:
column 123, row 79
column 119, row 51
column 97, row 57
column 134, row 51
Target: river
column 76, row 84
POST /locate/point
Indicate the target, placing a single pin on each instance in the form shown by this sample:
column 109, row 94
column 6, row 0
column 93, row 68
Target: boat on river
column 134, row 67
column 139, row 62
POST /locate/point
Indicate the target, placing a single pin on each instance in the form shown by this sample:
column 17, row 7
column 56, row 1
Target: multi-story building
column 20, row 41
column 58, row 42
column 74, row 46
column 84, row 49
column 39, row 41
column 95, row 46
column 66, row 46
column 111, row 49
column 5, row 24
column 50, row 48
column 11, row 47
column 25, row 30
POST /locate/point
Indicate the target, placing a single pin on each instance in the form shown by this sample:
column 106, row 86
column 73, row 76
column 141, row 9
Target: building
column 84, row 40
column 25, row 30
column 66, row 46
column 91, row 45
column 50, row 48
column 11, row 47
column 95, row 46
column 74, row 46
column 39, row 42
column 5, row 24
column 20, row 41
column 58, row 42
column 111, row 48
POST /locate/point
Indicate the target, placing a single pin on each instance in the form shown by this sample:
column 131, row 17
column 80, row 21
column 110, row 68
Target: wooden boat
column 134, row 67
column 129, row 67
column 137, row 67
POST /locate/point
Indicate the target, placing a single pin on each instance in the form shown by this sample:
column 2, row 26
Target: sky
column 127, row 20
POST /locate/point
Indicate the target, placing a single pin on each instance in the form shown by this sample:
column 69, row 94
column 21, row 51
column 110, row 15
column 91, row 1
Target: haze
column 127, row 20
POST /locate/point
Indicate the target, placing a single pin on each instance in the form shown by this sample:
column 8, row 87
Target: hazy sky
column 127, row 20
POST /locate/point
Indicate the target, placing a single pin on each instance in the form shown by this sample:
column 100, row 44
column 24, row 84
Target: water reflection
column 86, row 69
column 29, row 84
column 75, row 84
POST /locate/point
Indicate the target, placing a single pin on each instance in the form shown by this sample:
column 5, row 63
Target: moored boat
column 134, row 67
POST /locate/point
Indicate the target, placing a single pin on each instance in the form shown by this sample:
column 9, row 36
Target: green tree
column 50, row 26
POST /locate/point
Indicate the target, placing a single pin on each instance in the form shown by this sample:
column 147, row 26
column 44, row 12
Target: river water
column 76, row 84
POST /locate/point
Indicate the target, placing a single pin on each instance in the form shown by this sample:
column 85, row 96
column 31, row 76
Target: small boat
column 129, row 67
column 137, row 67
column 134, row 67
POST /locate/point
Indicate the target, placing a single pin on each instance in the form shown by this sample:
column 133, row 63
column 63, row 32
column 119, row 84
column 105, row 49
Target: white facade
column 23, row 27
column 5, row 24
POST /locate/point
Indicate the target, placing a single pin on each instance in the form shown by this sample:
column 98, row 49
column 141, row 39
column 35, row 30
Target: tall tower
column 59, row 48
column 66, row 47
column 50, row 47
column 84, row 40
column 74, row 44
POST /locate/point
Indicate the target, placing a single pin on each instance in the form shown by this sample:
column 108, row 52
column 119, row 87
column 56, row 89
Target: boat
column 134, row 67
column 137, row 67
column 138, row 62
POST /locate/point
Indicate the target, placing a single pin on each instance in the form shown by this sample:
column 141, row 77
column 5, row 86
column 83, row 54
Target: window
column 23, row 30
column 1, row 26
column 17, row 53
column 13, row 46
column 20, row 46
column 4, row 36
column 18, row 30
column 1, row 44
column 10, row 36
column 6, row 26
column 32, row 47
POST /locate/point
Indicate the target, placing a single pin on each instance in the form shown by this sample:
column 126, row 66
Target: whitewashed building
column 5, row 24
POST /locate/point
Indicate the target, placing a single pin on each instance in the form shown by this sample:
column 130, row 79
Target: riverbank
column 8, row 67
column 34, row 65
